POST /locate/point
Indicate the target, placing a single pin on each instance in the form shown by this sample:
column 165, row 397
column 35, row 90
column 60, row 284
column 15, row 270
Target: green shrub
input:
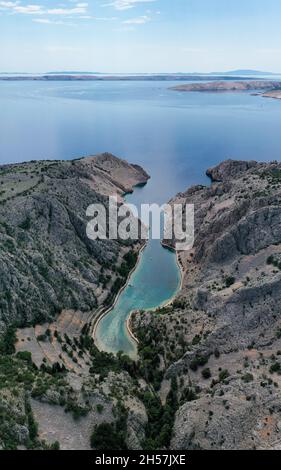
column 206, row 373
column 223, row 375
column 198, row 361
column 25, row 356
column 105, row 437
column 278, row 333
column 7, row 343
column 188, row 394
column 196, row 340
column 42, row 338
column 248, row 378
column 55, row 446
column 275, row 368
column 217, row 353
column 99, row 408
column 26, row 224
column 229, row 281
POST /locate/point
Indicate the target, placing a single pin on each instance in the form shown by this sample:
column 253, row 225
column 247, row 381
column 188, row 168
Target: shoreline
column 219, row 86
column 272, row 95
column 166, row 303
column 129, row 329
column 100, row 312
column 103, row 313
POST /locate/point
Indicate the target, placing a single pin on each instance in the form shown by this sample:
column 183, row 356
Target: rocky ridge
column 55, row 386
column 221, row 339
column 229, row 86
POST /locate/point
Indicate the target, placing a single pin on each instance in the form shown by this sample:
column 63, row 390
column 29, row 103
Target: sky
column 139, row 36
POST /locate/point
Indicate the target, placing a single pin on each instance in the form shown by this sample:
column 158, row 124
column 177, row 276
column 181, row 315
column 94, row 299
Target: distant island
column 247, row 72
column 271, row 89
column 68, row 76
column 93, row 75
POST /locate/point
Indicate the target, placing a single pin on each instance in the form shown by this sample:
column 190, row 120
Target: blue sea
column 174, row 136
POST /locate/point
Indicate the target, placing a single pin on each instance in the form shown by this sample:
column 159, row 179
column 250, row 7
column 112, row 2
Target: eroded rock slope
column 221, row 339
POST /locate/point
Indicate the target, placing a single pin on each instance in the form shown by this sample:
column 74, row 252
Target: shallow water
column 154, row 282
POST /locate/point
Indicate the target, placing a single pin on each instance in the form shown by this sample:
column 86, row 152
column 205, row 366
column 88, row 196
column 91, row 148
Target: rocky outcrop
column 239, row 416
column 221, row 339
column 230, row 86
column 275, row 94
column 229, row 169
column 235, row 281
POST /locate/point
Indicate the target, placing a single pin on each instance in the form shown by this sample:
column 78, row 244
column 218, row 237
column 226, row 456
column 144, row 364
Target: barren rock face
column 221, row 339
column 238, row 284
column 229, row 169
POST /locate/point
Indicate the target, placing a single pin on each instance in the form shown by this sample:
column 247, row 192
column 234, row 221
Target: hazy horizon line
column 228, row 71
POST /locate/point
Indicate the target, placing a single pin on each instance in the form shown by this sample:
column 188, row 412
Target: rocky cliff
column 221, row 339
column 56, row 387
column 209, row 369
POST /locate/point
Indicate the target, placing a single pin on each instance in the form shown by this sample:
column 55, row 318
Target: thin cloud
column 68, row 11
column 47, row 16
column 126, row 4
column 48, row 22
column 36, row 9
column 42, row 21
column 7, row 5
column 28, row 9
column 105, row 18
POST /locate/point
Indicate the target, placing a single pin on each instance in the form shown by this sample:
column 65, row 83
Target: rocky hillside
column 47, row 263
column 209, row 368
column 56, row 389
column 221, row 339
column 229, row 86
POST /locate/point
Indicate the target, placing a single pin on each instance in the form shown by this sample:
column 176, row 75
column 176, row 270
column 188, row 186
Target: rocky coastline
column 264, row 87
column 220, row 340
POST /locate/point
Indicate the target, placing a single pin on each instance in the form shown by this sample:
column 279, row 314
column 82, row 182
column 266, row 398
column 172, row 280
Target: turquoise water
column 174, row 136
column 155, row 281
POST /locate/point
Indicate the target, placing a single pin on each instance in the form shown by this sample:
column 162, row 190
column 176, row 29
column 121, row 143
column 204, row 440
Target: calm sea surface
column 174, row 136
